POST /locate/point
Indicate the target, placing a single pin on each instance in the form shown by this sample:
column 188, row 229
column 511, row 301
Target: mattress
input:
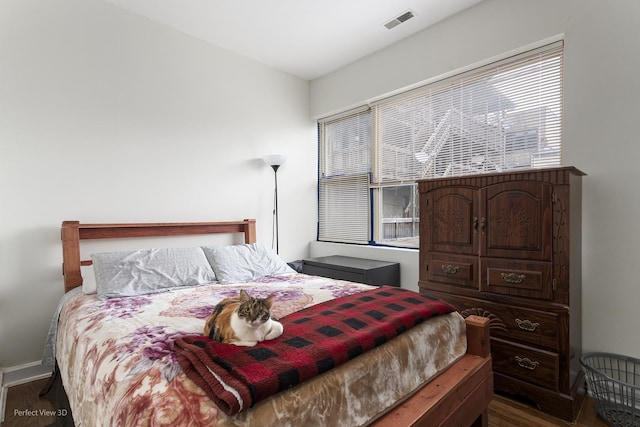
column 118, row 366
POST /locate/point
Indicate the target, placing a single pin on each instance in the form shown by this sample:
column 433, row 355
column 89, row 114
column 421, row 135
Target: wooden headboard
column 72, row 232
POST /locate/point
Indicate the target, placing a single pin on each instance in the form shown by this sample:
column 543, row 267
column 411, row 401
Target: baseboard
column 22, row 374
column 3, row 396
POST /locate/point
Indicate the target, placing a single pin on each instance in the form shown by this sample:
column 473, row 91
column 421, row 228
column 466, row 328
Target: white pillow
column 244, row 263
column 148, row 271
column 88, row 279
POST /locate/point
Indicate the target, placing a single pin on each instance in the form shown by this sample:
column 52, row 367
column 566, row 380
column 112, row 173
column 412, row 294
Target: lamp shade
column 274, row 159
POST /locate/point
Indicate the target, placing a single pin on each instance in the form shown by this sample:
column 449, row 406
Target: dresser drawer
column 525, row 363
column 538, row 328
column 453, row 270
column 525, row 279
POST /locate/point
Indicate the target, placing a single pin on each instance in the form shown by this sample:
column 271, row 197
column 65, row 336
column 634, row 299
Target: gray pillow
column 244, row 263
column 148, row 271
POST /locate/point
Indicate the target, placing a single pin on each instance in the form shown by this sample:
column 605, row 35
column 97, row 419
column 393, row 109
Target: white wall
column 109, row 117
column 602, row 41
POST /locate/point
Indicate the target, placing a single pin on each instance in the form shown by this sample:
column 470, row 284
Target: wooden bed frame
column 458, row 396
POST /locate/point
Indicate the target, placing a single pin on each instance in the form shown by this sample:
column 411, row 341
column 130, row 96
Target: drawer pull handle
column 527, row 325
column 449, row 269
column 513, row 277
column 525, row 362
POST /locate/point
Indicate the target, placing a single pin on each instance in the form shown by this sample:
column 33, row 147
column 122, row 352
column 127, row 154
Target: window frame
column 520, row 140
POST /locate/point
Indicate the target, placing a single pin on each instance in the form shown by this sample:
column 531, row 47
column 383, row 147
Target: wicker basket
column 614, row 382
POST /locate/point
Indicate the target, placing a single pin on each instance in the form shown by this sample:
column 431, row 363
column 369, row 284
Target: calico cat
column 243, row 321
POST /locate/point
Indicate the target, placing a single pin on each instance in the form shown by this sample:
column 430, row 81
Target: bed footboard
column 457, row 397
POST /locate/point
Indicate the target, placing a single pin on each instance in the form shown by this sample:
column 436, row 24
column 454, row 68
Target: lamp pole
column 275, row 205
column 275, row 161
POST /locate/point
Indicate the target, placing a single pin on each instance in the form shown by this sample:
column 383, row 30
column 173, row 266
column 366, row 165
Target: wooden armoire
column 507, row 246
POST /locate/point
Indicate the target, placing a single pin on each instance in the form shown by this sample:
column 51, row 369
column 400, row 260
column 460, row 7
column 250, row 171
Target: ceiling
column 306, row 38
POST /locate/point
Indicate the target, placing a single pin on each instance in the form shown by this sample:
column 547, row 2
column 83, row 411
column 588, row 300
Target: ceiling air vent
column 399, row 19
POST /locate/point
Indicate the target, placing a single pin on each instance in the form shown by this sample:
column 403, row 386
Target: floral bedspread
column 118, row 366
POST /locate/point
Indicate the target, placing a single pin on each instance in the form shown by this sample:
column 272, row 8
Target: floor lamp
column 275, row 161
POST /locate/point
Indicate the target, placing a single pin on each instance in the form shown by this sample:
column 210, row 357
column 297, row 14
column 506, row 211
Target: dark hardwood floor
column 507, row 412
column 25, row 409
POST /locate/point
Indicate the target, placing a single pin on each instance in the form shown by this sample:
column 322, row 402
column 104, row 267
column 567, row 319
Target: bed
column 132, row 358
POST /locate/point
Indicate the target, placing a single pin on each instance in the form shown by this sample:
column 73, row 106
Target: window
column 344, row 179
column 399, row 215
column 498, row 117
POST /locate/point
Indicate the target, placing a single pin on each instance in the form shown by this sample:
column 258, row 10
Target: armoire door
column 515, row 220
column 452, row 220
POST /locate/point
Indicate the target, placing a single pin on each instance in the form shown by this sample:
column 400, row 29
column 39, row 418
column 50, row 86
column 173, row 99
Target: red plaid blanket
column 315, row 340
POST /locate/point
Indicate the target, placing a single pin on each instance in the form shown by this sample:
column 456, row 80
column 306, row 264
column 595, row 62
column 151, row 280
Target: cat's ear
column 268, row 301
column 244, row 296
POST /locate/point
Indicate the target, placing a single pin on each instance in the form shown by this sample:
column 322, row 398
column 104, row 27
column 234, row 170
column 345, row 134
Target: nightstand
column 359, row 270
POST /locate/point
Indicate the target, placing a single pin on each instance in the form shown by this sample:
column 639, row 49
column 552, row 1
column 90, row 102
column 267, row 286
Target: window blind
column 344, row 178
column 344, row 209
column 501, row 116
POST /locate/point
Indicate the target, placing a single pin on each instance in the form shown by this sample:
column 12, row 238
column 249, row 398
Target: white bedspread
column 118, row 366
